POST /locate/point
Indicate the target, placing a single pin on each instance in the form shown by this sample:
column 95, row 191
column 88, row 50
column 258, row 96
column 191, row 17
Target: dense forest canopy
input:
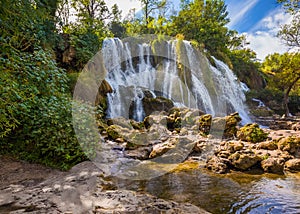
column 44, row 44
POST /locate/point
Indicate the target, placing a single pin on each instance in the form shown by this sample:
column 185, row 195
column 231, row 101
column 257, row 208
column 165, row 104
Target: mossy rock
column 290, row 144
column 205, row 122
column 113, row 132
column 137, row 125
column 262, row 112
column 252, row 133
column 187, row 166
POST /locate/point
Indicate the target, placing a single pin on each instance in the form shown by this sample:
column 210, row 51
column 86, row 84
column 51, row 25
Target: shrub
column 36, row 112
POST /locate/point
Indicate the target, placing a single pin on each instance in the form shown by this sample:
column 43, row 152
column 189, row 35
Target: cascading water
column 196, row 84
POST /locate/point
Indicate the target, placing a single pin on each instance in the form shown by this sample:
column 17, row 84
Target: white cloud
column 236, row 13
column 273, row 21
column 265, row 43
column 262, row 36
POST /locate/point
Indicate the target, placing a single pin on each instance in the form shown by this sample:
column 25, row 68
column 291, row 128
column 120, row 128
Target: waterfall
column 133, row 73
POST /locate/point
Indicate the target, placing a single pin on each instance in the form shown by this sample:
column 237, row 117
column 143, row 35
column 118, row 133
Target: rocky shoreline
column 185, row 137
column 83, row 189
column 220, row 141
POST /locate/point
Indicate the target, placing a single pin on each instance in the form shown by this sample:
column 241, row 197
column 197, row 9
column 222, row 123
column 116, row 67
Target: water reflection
column 234, row 193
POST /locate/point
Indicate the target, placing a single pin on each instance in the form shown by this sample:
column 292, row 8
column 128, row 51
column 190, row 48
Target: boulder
column 156, row 104
column 205, row 122
column 114, row 132
column 217, row 165
column 162, row 148
column 290, row 144
column 141, row 153
column 252, row 133
column 232, row 146
column 268, row 145
column 232, row 121
column 292, row 165
column 273, row 165
column 243, row 161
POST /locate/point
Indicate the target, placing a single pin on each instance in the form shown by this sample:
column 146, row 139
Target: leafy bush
column 34, row 102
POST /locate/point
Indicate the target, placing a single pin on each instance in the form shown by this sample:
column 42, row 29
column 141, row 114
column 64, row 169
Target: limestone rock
column 205, row 122
column 290, row 144
column 157, row 104
column 269, row 145
column 243, row 161
column 251, row 133
column 162, row 148
column 217, row 165
column 292, row 165
column 273, row 165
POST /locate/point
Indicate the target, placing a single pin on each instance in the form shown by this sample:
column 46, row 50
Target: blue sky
column 259, row 20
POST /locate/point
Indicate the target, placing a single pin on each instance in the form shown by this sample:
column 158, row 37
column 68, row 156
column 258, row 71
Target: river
column 237, row 192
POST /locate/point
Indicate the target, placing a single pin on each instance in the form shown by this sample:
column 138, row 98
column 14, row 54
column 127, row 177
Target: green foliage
column 35, row 110
column 283, row 73
column 23, row 25
column 290, row 33
column 291, row 6
column 86, row 45
column 246, row 68
column 205, row 22
column 72, row 80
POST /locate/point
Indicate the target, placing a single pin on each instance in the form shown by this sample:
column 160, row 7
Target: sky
column 259, row 20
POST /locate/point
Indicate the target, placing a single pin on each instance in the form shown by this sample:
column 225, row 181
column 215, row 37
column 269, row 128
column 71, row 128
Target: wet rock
column 217, row 165
column 85, row 189
column 205, row 122
column 156, row 104
column 162, row 148
column 251, row 133
column 292, row 165
column 290, row 144
column 232, row 121
column 187, row 166
column 114, row 132
column 124, row 201
column 273, row 165
column 141, row 153
column 244, row 161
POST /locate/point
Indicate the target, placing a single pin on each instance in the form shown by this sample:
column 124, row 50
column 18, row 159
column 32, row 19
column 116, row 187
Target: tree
column 291, row 6
column 283, row 73
column 205, row 22
column 290, row 33
column 149, row 6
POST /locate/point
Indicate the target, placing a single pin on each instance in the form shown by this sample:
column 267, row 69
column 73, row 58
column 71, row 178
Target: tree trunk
column 286, row 96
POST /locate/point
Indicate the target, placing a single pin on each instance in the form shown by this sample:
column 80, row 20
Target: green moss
column 205, row 123
column 252, row 133
column 187, row 166
column 113, row 132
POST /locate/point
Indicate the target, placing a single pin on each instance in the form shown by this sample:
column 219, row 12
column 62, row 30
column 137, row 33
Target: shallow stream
column 237, row 192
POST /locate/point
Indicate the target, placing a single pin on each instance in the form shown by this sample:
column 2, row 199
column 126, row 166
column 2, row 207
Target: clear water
column 233, row 193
